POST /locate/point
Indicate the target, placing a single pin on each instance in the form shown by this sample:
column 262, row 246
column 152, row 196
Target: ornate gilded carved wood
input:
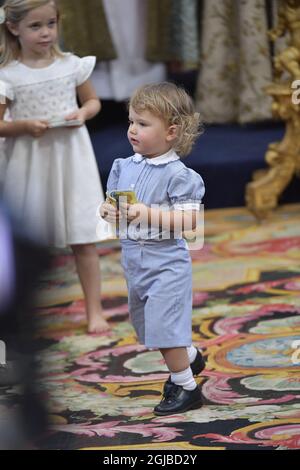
column 283, row 158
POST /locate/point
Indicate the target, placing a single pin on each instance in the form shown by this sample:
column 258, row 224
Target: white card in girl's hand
column 64, row 123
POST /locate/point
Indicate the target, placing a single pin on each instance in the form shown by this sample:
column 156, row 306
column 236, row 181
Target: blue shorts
column 159, row 281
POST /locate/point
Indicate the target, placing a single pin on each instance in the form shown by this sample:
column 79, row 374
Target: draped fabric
column 85, row 30
column 158, row 30
column 281, row 42
column 118, row 78
column 173, row 31
column 236, row 62
column 227, row 42
column 185, row 32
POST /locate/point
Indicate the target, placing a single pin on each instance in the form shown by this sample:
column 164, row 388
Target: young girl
column 51, row 179
column 163, row 126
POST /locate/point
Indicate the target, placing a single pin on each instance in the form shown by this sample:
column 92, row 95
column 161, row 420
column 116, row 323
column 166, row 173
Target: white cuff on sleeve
column 187, row 206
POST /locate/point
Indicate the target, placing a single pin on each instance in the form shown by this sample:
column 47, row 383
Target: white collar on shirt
column 168, row 157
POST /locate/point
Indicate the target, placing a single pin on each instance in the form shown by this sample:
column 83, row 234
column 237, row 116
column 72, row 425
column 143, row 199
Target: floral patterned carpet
column 246, row 317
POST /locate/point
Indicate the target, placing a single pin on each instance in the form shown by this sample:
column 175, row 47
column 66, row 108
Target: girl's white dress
column 52, row 182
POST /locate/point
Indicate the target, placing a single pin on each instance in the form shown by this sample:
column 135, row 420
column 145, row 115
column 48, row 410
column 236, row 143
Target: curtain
column 236, row 62
column 117, row 79
column 185, row 32
column 173, row 32
column 85, row 30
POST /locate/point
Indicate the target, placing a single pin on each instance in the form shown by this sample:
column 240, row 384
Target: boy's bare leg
column 177, row 359
column 87, row 264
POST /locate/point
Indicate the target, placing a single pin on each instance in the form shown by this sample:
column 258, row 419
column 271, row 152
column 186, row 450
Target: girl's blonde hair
column 174, row 106
column 15, row 11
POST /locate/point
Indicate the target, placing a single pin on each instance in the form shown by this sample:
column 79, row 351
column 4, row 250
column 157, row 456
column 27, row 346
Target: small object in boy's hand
column 114, row 196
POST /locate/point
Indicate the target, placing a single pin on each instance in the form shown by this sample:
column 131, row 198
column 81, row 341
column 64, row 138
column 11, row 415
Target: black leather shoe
column 198, row 363
column 197, row 366
column 179, row 400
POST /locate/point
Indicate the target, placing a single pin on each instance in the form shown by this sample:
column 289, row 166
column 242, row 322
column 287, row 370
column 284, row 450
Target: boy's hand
column 36, row 128
column 132, row 211
column 109, row 213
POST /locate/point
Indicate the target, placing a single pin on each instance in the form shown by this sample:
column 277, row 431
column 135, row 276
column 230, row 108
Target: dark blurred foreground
column 22, row 260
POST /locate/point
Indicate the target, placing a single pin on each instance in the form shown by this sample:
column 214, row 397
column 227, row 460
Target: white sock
column 192, row 353
column 184, row 378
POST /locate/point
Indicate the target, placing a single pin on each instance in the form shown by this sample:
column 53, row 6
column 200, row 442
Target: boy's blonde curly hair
column 174, row 106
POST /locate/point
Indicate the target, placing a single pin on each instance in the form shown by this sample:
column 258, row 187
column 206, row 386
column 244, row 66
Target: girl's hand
column 109, row 213
column 36, row 128
column 132, row 211
column 79, row 115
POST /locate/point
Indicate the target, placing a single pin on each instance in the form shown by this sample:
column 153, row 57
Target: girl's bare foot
column 97, row 325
